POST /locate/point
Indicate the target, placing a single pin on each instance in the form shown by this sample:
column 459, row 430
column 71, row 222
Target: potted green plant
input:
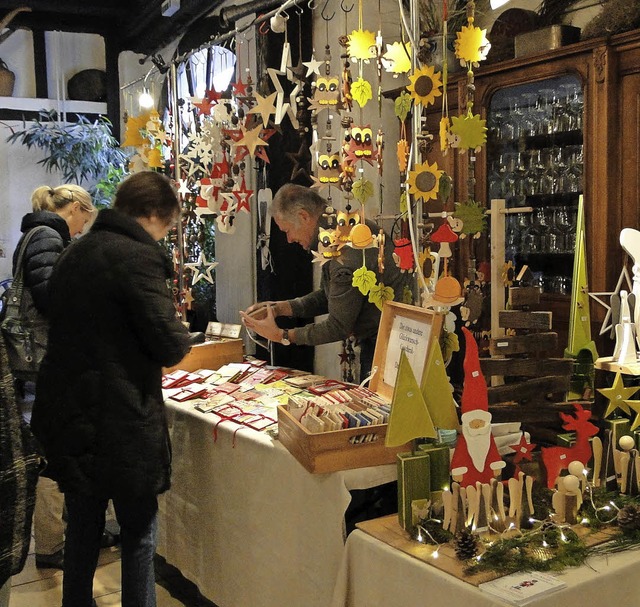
column 81, row 151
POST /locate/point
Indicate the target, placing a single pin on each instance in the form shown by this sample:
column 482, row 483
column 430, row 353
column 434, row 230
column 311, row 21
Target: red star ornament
column 523, row 450
column 204, row 105
column 213, row 96
column 243, row 196
column 239, row 88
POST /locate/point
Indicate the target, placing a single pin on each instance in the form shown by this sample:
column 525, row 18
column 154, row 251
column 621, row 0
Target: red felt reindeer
column 556, row 459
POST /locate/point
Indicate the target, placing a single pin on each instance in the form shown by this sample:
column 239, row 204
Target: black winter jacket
column 42, row 252
column 99, row 413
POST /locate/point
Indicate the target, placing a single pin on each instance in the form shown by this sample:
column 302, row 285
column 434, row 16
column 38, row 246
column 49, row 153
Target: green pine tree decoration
column 410, row 417
column 436, row 390
column 580, row 345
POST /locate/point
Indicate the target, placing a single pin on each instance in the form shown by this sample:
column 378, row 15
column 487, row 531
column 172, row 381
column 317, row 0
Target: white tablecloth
column 373, row 574
column 247, row 523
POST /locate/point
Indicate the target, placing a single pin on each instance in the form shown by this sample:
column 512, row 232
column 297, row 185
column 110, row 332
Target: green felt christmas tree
column 436, row 391
column 410, row 417
column 580, row 345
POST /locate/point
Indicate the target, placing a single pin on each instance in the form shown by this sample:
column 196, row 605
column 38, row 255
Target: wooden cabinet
column 609, row 71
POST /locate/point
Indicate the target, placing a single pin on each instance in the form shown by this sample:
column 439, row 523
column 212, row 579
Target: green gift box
column 440, row 465
column 566, row 439
column 414, row 483
column 620, row 426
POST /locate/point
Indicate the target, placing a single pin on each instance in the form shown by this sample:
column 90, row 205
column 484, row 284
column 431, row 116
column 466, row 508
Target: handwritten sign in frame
column 408, row 328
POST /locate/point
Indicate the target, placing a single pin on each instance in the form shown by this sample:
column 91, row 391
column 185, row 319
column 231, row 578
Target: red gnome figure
column 476, row 457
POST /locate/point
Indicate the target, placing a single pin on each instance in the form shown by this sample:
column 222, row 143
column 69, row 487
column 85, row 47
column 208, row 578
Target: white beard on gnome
column 476, row 429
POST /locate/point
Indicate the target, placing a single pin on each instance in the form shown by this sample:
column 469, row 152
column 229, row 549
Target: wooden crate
column 210, row 355
column 333, row 451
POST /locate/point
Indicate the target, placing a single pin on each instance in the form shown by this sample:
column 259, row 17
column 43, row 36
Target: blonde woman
column 65, row 211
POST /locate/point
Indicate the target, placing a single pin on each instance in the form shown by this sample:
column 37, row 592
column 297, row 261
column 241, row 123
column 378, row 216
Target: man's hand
column 263, row 324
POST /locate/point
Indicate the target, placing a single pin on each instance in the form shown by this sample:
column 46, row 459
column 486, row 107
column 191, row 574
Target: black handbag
column 24, row 328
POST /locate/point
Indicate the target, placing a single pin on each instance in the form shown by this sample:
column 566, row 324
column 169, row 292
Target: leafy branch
column 81, row 151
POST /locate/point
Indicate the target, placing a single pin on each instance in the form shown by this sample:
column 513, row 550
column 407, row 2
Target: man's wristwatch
column 285, row 338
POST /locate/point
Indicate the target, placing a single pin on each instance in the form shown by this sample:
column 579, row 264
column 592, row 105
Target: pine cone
column 629, row 517
column 466, row 545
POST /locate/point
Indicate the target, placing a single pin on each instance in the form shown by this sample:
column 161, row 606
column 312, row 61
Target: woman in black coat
column 58, row 214
column 99, row 412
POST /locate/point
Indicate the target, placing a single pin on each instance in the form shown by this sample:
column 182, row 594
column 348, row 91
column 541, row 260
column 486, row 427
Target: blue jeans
column 138, row 522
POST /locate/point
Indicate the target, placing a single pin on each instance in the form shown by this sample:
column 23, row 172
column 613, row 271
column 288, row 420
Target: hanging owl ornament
column 329, row 169
column 359, row 145
column 326, row 94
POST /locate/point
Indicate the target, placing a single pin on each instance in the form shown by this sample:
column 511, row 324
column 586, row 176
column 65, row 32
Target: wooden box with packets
column 223, row 345
column 401, row 327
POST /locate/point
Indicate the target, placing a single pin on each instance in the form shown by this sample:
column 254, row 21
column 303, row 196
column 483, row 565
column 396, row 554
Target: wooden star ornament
column 202, row 269
column 618, row 395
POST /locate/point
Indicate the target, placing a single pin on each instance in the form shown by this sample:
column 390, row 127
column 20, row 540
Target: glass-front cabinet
column 535, row 162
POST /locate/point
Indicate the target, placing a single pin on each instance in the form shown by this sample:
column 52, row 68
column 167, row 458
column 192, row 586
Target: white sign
column 409, row 335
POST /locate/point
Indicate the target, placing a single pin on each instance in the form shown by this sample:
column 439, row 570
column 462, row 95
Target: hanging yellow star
column 618, row 395
column 361, row 44
column 635, row 405
column 264, row 107
column 397, row 59
column 424, row 180
column 471, row 45
column 425, row 85
column 470, row 130
column 251, row 139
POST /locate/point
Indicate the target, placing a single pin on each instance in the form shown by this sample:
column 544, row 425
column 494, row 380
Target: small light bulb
column 435, row 554
column 584, row 521
column 544, row 544
column 145, row 100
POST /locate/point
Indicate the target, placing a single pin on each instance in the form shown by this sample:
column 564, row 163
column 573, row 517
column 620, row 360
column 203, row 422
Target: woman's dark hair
column 146, row 194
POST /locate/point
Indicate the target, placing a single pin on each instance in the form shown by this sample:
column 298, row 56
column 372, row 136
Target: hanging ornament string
column 444, row 121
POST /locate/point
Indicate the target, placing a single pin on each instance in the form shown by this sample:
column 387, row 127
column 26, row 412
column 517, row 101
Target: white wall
column 20, row 172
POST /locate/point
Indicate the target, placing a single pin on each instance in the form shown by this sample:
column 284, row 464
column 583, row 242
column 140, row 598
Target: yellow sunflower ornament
column 424, row 179
column 471, row 45
column 425, row 85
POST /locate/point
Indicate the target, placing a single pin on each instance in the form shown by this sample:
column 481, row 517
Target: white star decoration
column 313, row 66
column 608, row 322
column 202, row 269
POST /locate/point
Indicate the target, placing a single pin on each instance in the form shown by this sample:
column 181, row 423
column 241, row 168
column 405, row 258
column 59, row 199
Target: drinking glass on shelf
column 529, row 122
column 576, row 167
column 512, row 123
column 544, row 111
column 512, row 238
column 495, row 124
column 560, row 285
column 534, row 235
column 555, row 237
column 497, row 177
column 570, row 231
column 548, row 179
